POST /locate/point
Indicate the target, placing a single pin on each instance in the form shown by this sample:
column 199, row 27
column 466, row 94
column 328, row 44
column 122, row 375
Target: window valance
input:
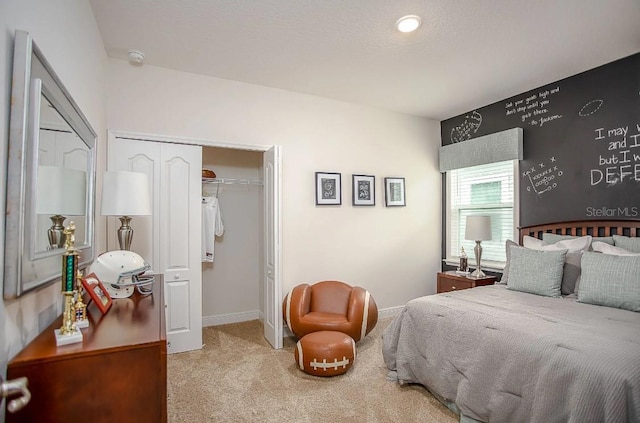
column 492, row 148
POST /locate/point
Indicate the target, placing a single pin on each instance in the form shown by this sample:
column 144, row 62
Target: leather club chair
column 332, row 306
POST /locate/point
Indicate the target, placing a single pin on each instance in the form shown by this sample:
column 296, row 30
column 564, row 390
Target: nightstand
column 451, row 281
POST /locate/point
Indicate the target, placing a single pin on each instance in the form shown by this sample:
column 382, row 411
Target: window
column 487, row 190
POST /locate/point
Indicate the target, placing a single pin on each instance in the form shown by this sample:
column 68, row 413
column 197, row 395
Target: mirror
column 51, row 174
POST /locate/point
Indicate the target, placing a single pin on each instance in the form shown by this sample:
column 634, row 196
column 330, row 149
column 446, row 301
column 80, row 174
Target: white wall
column 68, row 36
column 393, row 252
column 231, row 284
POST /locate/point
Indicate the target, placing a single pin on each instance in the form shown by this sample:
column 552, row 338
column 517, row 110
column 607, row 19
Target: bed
column 497, row 354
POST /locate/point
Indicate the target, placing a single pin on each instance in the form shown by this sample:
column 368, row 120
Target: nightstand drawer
column 448, row 285
column 451, row 281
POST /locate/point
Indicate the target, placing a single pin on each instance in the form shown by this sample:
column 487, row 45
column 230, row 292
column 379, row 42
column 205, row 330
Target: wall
column 68, row 36
column 231, row 289
column 393, row 252
column 581, row 138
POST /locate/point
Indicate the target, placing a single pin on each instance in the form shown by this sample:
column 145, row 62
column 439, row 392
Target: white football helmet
column 120, row 271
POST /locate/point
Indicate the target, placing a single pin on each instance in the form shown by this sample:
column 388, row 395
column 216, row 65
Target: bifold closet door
column 170, row 239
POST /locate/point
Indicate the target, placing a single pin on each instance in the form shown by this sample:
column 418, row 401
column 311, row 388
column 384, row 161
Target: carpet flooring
column 238, row 377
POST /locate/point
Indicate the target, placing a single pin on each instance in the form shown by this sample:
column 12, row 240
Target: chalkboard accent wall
column 581, row 144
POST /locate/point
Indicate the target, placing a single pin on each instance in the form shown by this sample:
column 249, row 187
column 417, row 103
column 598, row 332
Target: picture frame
column 394, row 192
column 97, row 292
column 328, row 189
column 364, row 190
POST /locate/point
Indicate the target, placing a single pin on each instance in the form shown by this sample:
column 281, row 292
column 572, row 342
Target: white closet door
column 170, row 239
column 180, row 244
column 273, row 286
column 145, row 157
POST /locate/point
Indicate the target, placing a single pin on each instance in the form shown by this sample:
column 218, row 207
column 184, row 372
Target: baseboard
column 223, row 319
column 382, row 314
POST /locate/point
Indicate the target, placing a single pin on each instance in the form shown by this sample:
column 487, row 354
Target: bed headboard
column 585, row 227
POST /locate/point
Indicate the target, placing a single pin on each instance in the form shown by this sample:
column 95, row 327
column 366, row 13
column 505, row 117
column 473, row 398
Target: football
column 325, row 353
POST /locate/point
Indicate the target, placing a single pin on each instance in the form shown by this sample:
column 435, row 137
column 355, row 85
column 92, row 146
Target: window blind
column 487, row 189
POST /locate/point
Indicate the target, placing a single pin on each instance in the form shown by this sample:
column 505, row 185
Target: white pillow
column 603, row 247
column 573, row 245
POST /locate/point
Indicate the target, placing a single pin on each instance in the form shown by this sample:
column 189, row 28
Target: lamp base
column 125, row 233
column 55, row 232
column 478, row 273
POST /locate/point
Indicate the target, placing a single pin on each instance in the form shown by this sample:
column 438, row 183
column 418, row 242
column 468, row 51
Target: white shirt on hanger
column 212, row 226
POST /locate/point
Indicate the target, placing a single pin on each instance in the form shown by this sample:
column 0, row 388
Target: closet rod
column 229, row 181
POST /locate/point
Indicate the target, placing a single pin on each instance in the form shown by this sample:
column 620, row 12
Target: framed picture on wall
column 97, row 292
column 328, row 188
column 364, row 190
column 394, row 192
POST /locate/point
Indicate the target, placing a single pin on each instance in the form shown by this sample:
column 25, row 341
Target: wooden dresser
column 118, row 373
column 451, row 281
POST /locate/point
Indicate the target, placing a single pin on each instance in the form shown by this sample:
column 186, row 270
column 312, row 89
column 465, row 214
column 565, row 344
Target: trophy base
column 81, row 324
column 67, row 339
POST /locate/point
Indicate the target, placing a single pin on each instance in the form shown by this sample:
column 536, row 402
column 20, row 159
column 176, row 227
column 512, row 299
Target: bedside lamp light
column 478, row 229
column 60, row 192
column 125, row 194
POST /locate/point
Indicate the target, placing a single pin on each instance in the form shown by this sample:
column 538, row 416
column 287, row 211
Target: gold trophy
column 68, row 333
column 79, row 307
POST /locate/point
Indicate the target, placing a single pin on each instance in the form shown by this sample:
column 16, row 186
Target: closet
column 243, row 282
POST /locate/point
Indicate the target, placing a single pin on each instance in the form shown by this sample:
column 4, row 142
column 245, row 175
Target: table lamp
column 60, row 192
column 478, row 229
column 125, row 194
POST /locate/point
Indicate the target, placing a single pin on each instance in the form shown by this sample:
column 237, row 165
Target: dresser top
column 137, row 320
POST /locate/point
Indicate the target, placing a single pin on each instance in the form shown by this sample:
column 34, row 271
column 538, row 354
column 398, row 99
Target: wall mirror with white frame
column 51, row 174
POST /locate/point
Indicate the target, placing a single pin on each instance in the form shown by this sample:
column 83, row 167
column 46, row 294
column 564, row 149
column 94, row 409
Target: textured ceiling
column 467, row 54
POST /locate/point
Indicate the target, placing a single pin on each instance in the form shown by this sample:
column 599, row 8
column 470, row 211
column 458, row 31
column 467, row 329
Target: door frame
column 277, row 248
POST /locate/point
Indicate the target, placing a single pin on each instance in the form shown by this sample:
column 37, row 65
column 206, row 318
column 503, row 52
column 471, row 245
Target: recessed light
column 408, row 23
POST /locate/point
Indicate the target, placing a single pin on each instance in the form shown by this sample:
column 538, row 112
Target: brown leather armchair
column 330, row 305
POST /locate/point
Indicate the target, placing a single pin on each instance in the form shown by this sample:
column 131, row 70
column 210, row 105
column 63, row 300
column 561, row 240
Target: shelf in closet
column 231, row 181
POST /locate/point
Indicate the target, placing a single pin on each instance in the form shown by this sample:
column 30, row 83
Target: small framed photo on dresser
column 394, row 192
column 364, row 190
column 328, row 189
column 97, row 292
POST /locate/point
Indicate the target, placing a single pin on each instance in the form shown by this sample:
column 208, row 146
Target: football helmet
column 121, row 272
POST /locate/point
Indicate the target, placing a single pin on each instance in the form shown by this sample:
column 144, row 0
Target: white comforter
column 507, row 356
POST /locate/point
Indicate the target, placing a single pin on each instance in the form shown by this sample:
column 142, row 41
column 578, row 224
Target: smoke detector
column 135, row 56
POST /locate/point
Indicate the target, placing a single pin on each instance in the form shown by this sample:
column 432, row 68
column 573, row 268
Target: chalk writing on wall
column 581, row 143
column 621, row 162
column 466, row 129
column 590, row 108
column 543, row 177
column 534, row 109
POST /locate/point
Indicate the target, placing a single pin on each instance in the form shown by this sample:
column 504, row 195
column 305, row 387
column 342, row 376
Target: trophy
column 69, row 333
column 79, row 307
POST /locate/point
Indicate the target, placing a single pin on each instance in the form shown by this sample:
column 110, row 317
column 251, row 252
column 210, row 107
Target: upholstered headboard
column 582, row 228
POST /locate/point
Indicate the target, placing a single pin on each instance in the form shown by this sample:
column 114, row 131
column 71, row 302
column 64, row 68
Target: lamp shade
column 125, row 194
column 61, row 191
column 478, row 228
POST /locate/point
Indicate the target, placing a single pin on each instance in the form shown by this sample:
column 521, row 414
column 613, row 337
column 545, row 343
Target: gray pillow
column 536, row 271
column 571, row 273
column 628, row 243
column 505, row 271
column 550, row 238
column 612, row 281
column 574, row 246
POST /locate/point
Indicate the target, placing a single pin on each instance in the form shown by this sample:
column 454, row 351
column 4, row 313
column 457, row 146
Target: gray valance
column 492, row 148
